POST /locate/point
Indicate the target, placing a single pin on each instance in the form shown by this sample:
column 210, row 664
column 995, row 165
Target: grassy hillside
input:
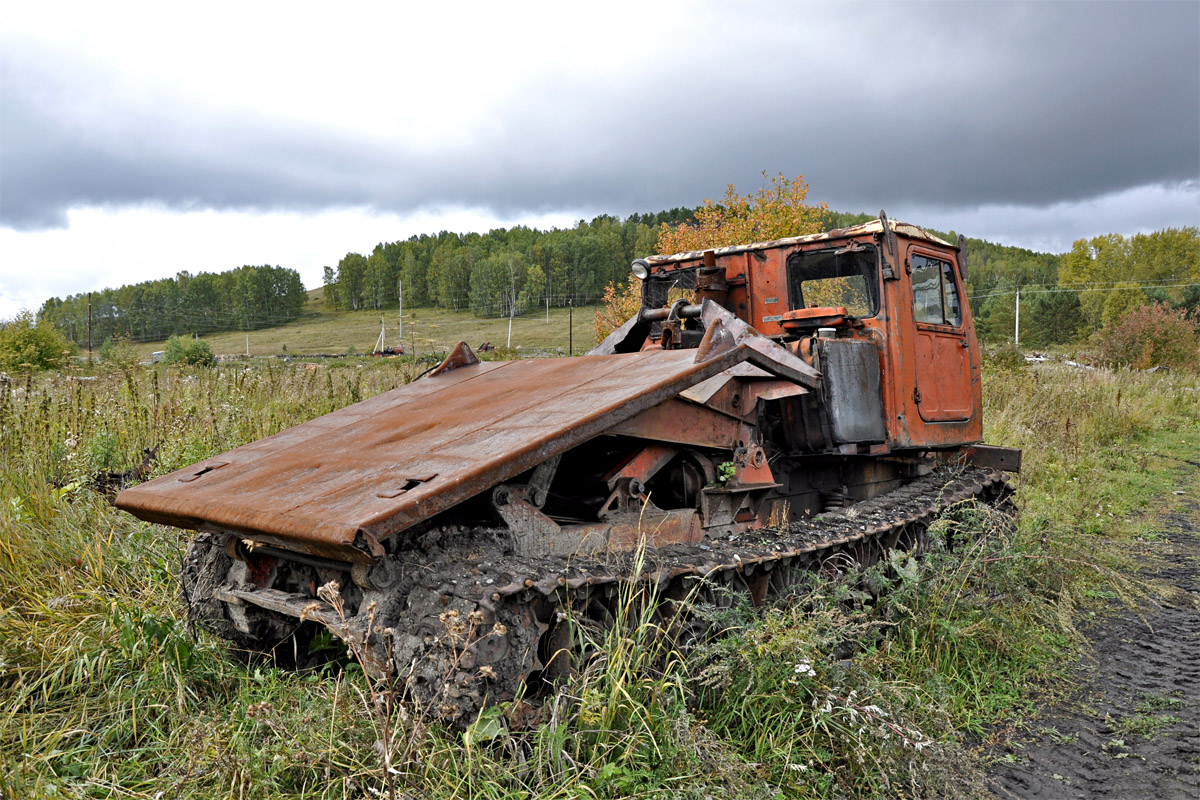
column 426, row 330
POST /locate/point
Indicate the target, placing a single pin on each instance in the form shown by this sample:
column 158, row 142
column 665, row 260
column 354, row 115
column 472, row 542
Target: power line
column 1079, row 290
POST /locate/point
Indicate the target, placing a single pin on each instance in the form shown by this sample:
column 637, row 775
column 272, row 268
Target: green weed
column 864, row 686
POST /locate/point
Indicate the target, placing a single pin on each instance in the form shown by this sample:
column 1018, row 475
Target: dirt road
column 1132, row 728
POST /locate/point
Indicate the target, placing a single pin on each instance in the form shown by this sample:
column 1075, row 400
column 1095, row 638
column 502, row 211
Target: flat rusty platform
column 337, row 485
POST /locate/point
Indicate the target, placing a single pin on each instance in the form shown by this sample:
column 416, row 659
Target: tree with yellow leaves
column 773, row 212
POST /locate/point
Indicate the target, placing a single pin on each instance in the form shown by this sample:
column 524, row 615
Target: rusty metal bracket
column 885, row 269
column 626, row 497
column 893, row 249
column 642, row 465
column 626, row 339
column 889, row 234
column 716, row 340
column 752, row 470
column 672, row 326
column 538, row 488
column 520, row 508
column 461, row 356
column 530, row 528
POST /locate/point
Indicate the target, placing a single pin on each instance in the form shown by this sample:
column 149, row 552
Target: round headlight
column 640, row 269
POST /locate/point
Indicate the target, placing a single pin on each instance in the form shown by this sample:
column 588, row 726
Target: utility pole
column 1017, row 326
column 89, row 327
column 400, row 301
column 571, row 327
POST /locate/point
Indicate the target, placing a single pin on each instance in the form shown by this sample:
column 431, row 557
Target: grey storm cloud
column 930, row 105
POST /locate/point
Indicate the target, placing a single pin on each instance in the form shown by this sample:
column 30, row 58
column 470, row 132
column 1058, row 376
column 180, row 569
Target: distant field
column 426, row 330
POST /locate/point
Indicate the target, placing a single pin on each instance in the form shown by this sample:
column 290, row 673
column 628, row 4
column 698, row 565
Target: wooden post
column 571, row 327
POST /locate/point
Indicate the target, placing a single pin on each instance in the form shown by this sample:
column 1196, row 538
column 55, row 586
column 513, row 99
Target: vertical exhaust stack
column 710, row 281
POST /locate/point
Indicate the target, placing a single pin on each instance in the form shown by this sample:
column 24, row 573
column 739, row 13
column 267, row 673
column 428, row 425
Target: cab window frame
column 872, row 281
column 949, row 290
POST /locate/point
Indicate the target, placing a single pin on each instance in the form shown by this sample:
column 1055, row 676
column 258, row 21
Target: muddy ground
column 1131, row 728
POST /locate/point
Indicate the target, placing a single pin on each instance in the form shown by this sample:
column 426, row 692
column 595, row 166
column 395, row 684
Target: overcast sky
column 140, row 140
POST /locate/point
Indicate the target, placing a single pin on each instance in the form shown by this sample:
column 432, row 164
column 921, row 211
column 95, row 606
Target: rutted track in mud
column 1132, row 729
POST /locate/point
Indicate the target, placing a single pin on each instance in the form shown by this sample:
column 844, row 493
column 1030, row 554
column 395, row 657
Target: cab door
column 943, row 355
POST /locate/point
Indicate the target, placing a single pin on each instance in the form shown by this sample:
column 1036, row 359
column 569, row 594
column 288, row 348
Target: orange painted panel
column 943, row 375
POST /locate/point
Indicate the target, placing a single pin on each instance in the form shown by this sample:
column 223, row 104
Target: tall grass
column 842, row 692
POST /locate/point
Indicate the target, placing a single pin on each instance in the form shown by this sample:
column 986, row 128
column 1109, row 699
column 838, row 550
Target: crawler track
column 467, row 623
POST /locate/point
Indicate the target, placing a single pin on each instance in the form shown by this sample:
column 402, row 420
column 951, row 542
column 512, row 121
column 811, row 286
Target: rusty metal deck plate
column 337, row 485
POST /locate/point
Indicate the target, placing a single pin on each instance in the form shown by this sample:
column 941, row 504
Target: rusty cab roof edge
column 872, row 227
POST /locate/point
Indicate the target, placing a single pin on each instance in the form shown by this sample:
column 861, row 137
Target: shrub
column 119, row 352
column 1005, row 357
column 620, row 303
column 1151, row 336
column 29, row 345
column 194, row 352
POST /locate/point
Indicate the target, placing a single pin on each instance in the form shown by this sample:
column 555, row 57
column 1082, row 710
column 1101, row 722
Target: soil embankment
column 1132, row 727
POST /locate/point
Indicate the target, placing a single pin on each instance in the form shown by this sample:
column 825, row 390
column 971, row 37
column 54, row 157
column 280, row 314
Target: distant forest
column 501, row 272
column 517, row 270
column 246, row 299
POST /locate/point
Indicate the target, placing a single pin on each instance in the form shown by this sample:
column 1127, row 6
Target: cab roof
column 874, row 226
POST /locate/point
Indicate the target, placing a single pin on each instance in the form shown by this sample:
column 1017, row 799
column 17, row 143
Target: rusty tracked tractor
column 771, row 407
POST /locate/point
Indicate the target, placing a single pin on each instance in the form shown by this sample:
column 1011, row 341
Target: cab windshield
column 846, row 276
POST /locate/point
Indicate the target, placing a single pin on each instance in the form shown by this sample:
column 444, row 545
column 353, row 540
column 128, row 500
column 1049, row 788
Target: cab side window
column 935, row 296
